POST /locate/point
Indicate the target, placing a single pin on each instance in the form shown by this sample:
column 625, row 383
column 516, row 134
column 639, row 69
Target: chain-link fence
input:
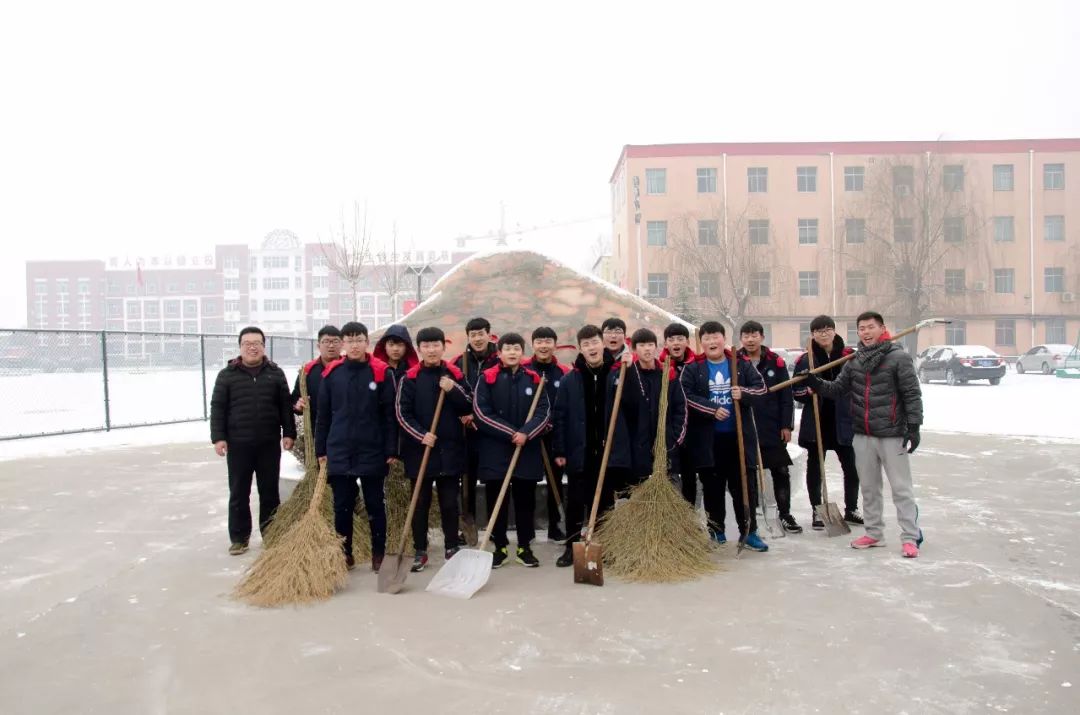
column 64, row 381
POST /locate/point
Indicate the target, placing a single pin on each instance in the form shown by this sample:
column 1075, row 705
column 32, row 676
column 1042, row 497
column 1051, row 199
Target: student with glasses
column 329, row 350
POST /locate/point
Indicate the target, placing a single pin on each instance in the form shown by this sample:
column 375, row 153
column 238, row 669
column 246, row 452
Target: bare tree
column 729, row 260
column 388, row 272
column 347, row 252
column 916, row 218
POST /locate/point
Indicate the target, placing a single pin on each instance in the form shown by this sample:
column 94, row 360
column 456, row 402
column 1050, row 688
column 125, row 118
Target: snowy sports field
column 114, row 597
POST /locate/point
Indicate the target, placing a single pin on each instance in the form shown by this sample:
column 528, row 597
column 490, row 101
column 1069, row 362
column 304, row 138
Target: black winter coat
column 840, row 409
column 418, row 393
column 357, row 431
column 473, row 364
column 884, row 390
column 773, row 411
column 501, row 404
column 313, row 372
column 570, row 438
column 639, row 416
column 246, row 409
column 702, row 431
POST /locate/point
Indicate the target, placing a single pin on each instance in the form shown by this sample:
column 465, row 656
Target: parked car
column 1048, row 358
column 959, row 364
column 921, row 357
column 790, row 355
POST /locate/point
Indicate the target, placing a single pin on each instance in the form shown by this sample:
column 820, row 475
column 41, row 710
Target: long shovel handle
column 607, row 454
column 840, row 361
column 553, row 484
column 760, row 467
column 733, row 366
column 510, row 471
column 817, row 429
column 407, row 525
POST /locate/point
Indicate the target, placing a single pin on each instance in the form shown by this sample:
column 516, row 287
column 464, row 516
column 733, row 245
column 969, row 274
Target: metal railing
column 69, row 381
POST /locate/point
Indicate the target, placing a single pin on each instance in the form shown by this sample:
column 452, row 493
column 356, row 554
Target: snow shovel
column 553, row 483
column 589, row 555
column 827, row 511
column 468, row 521
column 395, row 568
column 773, row 525
column 469, row 569
column 733, row 368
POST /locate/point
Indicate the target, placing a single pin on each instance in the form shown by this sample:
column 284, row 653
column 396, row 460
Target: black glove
column 812, row 381
column 911, row 438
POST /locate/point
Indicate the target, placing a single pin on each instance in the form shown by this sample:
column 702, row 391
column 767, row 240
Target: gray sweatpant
column 871, row 455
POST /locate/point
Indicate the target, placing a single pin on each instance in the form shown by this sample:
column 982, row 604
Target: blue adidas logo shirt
column 720, row 393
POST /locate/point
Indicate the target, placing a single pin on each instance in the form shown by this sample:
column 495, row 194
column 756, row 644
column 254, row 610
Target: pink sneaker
column 910, row 550
column 865, row 542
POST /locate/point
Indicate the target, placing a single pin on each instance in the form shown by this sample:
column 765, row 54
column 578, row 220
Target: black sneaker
column 500, row 557
column 350, row 562
column 449, row 553
column 419, row 562
column 817, row 524
column 790, row 525
column 525, row 557
column 567, row 558
column 853, row 517
column 556, row 534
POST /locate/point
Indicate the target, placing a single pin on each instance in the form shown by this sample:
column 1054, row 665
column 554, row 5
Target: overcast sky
column 148, row 129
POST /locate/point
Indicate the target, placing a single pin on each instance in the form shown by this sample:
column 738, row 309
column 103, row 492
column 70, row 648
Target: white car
column 1048, row 358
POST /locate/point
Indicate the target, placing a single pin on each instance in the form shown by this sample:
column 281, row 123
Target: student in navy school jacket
column 543, row 361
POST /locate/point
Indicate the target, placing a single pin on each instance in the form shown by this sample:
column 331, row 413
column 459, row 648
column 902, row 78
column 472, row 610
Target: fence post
column 202, row 361
column 105, row 377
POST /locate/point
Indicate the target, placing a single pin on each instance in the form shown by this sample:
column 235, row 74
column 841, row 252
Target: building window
column 956, row 332
column 192, row 287
column 209, row 307
column 320, row 282
column 1054, row 279
column 855, row 230
column 952, row 177
column 1053, row 178
column 230, row 284
column 299, row 304
column 658, row 285
column 1003, row 229
column 150, row 288
column 275, row 283
column 1003, row 280
column 806, row 178
column 903, row 230
column 852, row 338
column 903, row 279
column 62, row 286
column 209, row 286
column 856, row 282
column 708, row 283
column 953, row 229
column 346, row 303
column 230, row 263
column 116, row 309
column 322, row 304
column 1055, row 331
column 758, row 229
column 232, row 306
column 1003, row 177
column 171, row 287
column 760, row 284
column 172, row 309
column 708, row 233
column 367, row 305
column 804, row 333
column 1005, row 332
column 150, row 310
column 41, row 286
column 757, row 179
column 276, row 305
column 955, row 281
column 807, row 231
column 1054, row 228
column 854, row 177
column 706, row 181
column 134, row 310
column 655, row 181
column 254, row 284
column 657, row 233
column 253, row 264
column 903, row 180
column 319, row 262
column 299, row 283
column 808, row 284
column 191, row 309
column 298, row 263
column 275, row 261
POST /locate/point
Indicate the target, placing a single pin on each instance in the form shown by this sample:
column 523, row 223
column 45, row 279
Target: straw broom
column 294, row 508
column 398, row 495
column 656, row 536
column 305, row 564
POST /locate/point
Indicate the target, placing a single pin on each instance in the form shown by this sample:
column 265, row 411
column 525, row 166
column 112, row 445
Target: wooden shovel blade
column 392, row 574
column 588, row 563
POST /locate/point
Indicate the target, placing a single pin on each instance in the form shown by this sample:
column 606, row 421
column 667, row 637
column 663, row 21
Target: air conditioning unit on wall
column 1068, row 297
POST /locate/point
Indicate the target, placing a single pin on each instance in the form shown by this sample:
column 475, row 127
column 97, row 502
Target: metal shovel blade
column 833, row 519
column 463, row 575
column 392, row 574
column 588, row 563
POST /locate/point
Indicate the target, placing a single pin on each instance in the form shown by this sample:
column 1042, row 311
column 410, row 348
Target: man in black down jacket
column 774, row 418
column 886, row 403
column 418, row 395
column 250, row 410
column 357, row 437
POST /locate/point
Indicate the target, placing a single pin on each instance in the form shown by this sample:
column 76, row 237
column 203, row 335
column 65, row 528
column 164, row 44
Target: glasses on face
column 614, row 332
column 251, row 344
column 330, row 341
column 825, row 331
column 355, row 341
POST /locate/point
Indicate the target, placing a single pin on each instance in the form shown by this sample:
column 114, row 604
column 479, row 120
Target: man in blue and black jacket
column 356, row 437
column 501, row 404
column 479, row 355
column 543, row 361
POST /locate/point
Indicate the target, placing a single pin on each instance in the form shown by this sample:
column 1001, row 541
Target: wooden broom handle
column 406, row 527
column 607, row 453
column 733, row 366
column 510, row 471
column 817, row 426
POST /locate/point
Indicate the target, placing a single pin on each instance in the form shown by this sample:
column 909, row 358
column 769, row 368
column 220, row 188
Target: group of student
column 372, row 406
